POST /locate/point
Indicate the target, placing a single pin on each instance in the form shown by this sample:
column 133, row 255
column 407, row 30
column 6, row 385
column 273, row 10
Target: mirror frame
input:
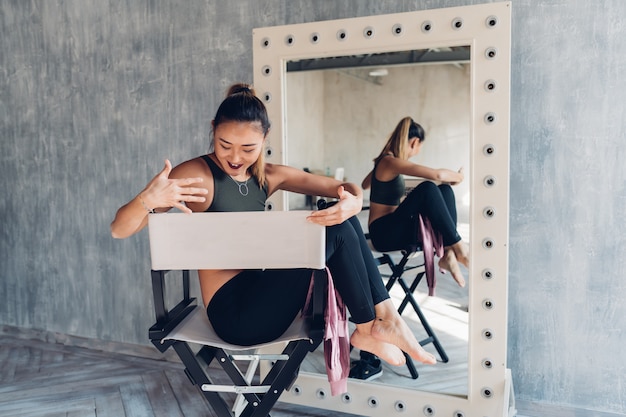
column 487, row 29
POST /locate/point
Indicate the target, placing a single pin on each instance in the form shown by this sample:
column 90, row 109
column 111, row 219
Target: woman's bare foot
column 449, row 263
column 387, row 352
column 396, row 332
column 461, row 252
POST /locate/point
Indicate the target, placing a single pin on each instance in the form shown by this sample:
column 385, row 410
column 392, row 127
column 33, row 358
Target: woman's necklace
column 243, row 186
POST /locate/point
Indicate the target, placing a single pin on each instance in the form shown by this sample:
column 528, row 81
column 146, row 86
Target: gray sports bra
column 227, row 195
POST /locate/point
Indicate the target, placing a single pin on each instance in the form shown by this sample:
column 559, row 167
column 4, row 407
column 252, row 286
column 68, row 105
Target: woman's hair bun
column 240, row 88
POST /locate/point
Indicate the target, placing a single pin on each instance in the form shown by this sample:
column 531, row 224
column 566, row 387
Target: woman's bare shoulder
column 195, row 167
column 388, row 167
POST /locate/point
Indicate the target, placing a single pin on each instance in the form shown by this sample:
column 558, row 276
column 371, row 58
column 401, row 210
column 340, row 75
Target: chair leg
column 198, row 377
column 258, row 402
column 281, row 376
column 408, row 298
column 411, row 366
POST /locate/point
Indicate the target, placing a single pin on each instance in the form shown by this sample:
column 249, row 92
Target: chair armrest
column 167, row 319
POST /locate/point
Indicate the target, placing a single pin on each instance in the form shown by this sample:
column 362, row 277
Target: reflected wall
column 341, row 118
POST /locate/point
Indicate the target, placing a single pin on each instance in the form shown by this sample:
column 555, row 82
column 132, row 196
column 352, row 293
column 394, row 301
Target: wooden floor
column 39, row 379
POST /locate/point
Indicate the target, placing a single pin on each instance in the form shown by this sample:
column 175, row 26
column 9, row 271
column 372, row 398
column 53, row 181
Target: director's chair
column 185, row 242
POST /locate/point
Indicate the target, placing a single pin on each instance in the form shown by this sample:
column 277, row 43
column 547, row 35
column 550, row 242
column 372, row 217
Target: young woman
column 393, row 224
column 250, row 306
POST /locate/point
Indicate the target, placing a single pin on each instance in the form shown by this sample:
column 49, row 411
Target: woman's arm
column 160, row 194
column 395, row 166
column 367, row 181
column 281, row 177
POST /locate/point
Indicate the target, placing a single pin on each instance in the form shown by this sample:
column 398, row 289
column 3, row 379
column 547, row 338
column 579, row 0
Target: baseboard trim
column 534, row 409
column 130, row 349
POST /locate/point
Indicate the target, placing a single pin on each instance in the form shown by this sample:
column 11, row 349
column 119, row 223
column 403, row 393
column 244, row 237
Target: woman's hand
column 163, row 192
column 460, row 177
column 348, row 205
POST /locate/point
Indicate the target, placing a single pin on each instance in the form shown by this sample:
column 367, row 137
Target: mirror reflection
column 340, row 112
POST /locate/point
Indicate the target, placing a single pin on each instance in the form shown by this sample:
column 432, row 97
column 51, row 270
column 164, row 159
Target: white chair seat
column 196, row 328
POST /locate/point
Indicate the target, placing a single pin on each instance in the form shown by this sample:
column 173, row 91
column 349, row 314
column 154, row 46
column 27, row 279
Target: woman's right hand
column 163, row 192
column 460, row 176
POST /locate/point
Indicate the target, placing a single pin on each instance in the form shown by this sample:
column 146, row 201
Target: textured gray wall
column 95, row 94
column 568, row 199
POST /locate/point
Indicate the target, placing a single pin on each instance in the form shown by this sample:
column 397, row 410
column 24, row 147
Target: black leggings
column 397, row 230
column 257, row 306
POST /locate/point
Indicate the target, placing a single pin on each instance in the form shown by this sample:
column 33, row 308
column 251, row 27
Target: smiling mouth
column 235, row 166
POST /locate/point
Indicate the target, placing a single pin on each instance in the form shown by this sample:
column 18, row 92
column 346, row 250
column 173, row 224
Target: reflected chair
column 411, row 252
column 178, row 242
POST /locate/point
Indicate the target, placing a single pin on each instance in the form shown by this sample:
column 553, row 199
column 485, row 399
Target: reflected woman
column 395, row 224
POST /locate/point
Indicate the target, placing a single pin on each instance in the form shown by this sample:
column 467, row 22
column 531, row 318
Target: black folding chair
column 179, row 242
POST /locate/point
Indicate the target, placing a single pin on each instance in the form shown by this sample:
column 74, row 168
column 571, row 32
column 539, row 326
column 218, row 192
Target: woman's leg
column 377, row 287
column 351, row 272
column 257, row 306
column 458, row 251
column 399, row 229
column 450, row 200
column 428, row 200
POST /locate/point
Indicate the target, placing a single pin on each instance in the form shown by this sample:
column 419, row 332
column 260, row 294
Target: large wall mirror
column 357, row 101
column 334, row 91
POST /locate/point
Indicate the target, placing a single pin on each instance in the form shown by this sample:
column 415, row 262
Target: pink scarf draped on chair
column 336, row 338
column 432, row 244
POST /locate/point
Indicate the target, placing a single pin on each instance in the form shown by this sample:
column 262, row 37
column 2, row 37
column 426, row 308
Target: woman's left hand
column 348, row 205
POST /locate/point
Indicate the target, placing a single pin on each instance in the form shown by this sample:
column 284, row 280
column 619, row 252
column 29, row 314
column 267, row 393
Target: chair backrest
column 237, row 240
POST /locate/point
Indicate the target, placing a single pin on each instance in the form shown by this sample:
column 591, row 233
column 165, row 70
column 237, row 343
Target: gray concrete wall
column 95, row 94
column 568, row 195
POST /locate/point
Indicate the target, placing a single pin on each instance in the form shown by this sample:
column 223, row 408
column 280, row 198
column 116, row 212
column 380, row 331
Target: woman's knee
column 424, row 191
column 339, row 229
column 426, row 187
column 340, row 234
column 355, row 223
column 445, row 189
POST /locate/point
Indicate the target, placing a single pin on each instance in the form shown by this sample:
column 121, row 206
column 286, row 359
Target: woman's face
column 238, row 146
